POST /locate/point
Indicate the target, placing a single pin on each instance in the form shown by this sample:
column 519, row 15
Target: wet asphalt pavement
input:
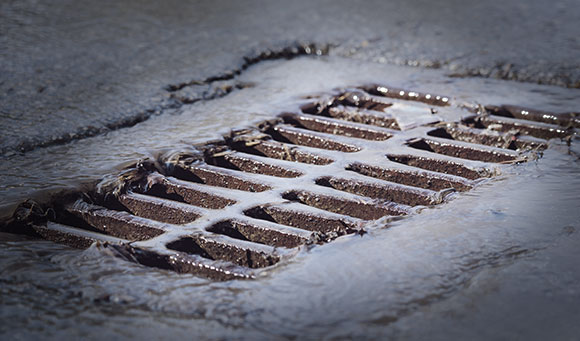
column 71, row 69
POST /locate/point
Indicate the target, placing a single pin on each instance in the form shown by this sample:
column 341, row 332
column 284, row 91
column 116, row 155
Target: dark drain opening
column 499, row 141
column 303, row 220
column 116, row 223
column 217, row 177
column 356, row 209
column 212, row 250
column 397, row 93
column 280, row 151
column 463, row 152
column 384, row 191
column 539, row 130
column 159, row 209
column 433, row 182
column 288, row 134
column 353, row 114
column 335, row 127
column 434, row 165
column 237, row 162
column 356, row 99
column 513, row 111
column 182, row 191
column 268, row 235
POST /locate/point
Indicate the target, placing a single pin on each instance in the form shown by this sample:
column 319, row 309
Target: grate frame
column 333, row 166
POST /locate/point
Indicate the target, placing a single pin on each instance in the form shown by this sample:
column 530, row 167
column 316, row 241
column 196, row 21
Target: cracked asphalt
column 74, row 69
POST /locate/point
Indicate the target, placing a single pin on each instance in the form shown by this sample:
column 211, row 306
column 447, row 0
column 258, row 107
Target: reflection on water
column 379, row 284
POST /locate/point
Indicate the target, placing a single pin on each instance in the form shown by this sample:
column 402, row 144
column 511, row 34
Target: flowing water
column 498, row 261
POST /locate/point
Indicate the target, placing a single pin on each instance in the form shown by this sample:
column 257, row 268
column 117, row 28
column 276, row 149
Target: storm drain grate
column 229, row 208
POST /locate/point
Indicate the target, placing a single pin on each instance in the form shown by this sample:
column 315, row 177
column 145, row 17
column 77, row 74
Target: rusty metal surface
column 342, row 163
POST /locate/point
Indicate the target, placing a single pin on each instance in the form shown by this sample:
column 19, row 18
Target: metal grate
column 229, row 208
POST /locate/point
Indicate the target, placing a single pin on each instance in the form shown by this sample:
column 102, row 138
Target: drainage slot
column 335, row 127
column 363, row 116
column 217, row 177
column 183, row 191
column 211, row 249
column 512, row 111
column 362, row 100
column 303, row 220
column 281, row 151
column 380, row 90
column 116, row 223
column 356, row 209
column 166, row 211
column 246, row 164
column 352, row 114
column 73, row 236
column 462, row 152
column 486, row 137
column 385, row 191
column 435, row 182
column 269, row 234
column 434, row 165
column 539, row 130
column 302, row 137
